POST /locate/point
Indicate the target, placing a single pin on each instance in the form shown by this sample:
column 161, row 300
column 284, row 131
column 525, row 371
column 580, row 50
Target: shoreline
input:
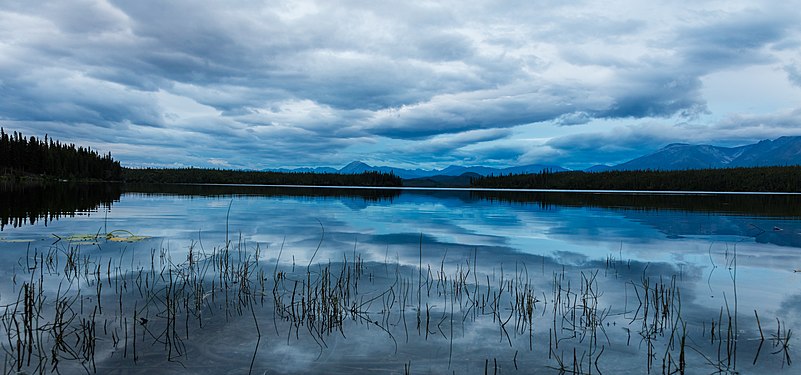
column 420, row 188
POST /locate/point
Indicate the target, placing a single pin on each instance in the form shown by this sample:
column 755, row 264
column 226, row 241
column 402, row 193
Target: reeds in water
column 76, row 310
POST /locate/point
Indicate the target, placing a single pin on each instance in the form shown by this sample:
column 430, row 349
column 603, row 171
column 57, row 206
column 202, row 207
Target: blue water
column 720, row 255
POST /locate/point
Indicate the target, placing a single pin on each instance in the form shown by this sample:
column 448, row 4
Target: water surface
column 500, row 281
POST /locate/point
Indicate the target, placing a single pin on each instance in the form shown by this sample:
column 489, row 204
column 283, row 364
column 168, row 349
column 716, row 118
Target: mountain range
column 779, row 152
column 357, row 167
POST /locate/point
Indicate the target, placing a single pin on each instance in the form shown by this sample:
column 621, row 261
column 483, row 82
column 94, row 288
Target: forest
column 21, row 156
column 225, row 176
column 756, row 179
column 32, row 158
column 29, row 157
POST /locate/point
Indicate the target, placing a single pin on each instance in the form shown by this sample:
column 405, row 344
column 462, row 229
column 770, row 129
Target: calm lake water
column 222, row 279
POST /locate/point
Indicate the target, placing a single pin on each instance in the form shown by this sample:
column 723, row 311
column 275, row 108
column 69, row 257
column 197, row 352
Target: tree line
column 20, row 155
column 226, row 176
column 756, row 179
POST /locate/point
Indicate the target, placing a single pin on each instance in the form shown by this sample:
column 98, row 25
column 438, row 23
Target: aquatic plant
column 74, row 310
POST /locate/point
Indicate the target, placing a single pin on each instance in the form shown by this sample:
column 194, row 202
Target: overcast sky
column 267, row 84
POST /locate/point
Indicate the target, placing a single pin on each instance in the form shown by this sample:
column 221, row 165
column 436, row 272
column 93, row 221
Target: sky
column 425, row 84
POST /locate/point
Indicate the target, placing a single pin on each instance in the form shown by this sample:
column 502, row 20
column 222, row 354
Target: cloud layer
column 248, row 84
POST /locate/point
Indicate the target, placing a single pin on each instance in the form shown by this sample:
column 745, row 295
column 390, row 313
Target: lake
column 252, row 279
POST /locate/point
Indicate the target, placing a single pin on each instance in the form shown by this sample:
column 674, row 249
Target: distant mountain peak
column 598, row 168
column 356, row 167
column 356, row 164
column 676, row 156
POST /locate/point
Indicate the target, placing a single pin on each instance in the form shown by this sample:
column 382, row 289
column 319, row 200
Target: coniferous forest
column 224, row 176
column 20, row 156
column 29, row 156
column 756, row 179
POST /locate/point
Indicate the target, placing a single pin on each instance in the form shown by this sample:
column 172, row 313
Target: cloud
column 794, row 73
column 52, row 94
column 469, row 147
column 574, row 118
column 313, row 82
column 497, row 108
column 621, row 143
column 219, row 162
column 657, row 96
column 626, row 141
column 761, row 126
column 733, row 38
column 449, row 143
